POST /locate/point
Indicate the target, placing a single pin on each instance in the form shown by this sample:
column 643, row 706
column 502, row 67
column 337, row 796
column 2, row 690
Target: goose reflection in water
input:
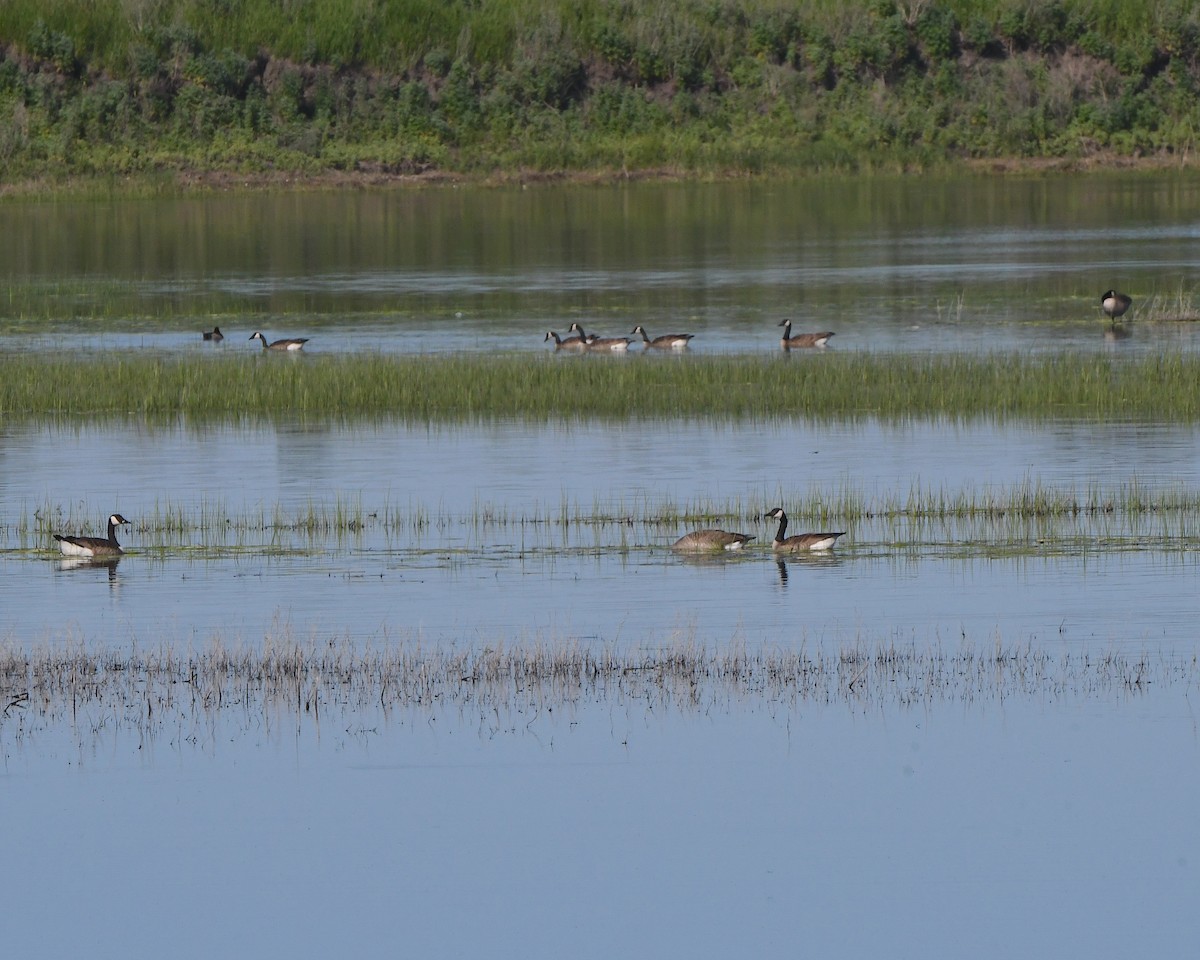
column 806, row 560
column 713, row 557
column 92, row 563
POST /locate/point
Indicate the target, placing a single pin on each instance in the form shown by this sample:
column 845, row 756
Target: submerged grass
column 534, row 388
column 171, row 691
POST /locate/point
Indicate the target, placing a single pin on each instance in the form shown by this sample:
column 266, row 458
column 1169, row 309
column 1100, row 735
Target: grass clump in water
column 1179, row 305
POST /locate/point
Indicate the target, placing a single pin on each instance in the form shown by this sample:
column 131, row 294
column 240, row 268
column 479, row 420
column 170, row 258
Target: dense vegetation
column 711, row 87
column 453, row 388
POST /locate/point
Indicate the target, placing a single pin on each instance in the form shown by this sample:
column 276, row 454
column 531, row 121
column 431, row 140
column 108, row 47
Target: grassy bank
column 536, row 388
column 113, row 89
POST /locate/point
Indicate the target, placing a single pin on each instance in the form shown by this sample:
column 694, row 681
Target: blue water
column 429, row 562
column 1052, row 823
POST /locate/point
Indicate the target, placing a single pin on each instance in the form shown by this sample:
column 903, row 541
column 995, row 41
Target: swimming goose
column 93, row 546
column 668, row 341
column 214, row 334
column 571, row 343
column 787, row 342
column 706, row 540
column 1115, row 304
column 601, row 344
column 296, row 343
column 801, row 541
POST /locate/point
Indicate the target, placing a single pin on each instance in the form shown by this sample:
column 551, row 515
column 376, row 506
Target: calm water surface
column 464, row 534
column 1058, row 827
column 914, row 265
column 618, row 829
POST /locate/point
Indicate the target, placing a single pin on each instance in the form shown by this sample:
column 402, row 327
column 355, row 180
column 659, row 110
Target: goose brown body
column 601, row 344
column 668, row 341
column 214, row 335
column 801, row 541
column 711, row 540
column 93, row 546
column 571, row 343
column 294, row 343
column 1115, row 304
column 802, row 340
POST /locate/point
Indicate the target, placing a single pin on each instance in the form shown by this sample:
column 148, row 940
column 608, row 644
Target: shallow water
column 904, row 833
column 504, row 530
column 1056, row 822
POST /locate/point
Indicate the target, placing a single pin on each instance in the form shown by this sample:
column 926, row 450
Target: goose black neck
column 782, row 527
column 112, row 533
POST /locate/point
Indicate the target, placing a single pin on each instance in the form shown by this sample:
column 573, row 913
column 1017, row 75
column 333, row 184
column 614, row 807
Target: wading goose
column 297, row 343
column 801, row 541
column 214, row 335
column 93, row 546
column 788, row 342
column 1115, row 304
column 571, row 343
column 668, row 341
column 711, row 540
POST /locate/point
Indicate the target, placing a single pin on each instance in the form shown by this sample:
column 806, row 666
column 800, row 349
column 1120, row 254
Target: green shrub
column 937, row 29
column 480, row 85
column 54, row 47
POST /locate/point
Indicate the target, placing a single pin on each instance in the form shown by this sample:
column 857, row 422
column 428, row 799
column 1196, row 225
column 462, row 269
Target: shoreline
column 191, row 182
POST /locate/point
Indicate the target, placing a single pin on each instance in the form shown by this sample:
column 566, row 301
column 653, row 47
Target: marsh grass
column 1027, row 516
column 537, row 388
column 1179, row 305
column 99, row 303
column 1025, row 500
column 511, row 686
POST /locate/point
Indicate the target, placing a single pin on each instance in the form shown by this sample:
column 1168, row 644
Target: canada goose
column 1115, row 304
column 93, row 546
column 668, row 341
column 571, row 343
column 214, row 334
column 601, row 344
column 711, row 540
column 787, row 342
column 296, row 343
column 801, row 541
